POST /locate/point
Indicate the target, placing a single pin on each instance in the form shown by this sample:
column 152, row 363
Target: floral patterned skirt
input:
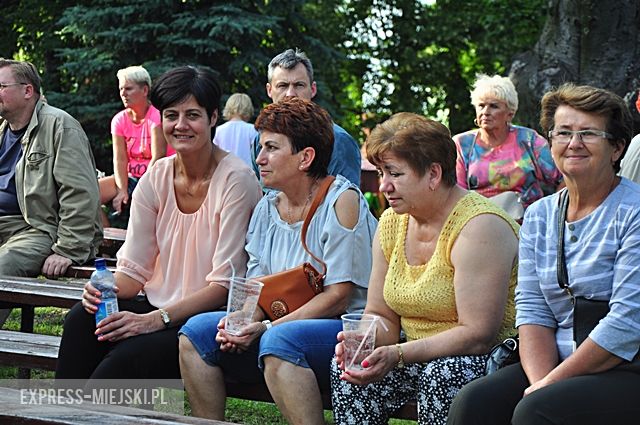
column 433, row 384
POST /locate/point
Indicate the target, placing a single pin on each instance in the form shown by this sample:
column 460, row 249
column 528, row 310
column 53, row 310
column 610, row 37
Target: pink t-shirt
column 137, row 138
column 174, row 254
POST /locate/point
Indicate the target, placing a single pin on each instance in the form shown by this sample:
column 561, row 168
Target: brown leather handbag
column 290, row 289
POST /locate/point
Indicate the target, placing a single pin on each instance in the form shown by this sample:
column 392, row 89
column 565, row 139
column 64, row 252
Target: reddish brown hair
column 305, row 124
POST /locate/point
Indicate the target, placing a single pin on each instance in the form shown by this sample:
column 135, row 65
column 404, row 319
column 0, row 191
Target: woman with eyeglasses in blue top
column 578, row 247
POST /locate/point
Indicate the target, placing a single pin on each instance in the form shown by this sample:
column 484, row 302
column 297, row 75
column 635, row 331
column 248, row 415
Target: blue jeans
column 306, row 343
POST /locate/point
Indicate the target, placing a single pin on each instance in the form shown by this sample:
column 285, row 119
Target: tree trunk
column 586, row 42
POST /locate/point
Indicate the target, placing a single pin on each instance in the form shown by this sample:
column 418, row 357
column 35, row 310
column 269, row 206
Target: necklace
column 301, row 216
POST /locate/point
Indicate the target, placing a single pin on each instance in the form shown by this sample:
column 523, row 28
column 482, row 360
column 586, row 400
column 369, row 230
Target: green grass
column 49, row 320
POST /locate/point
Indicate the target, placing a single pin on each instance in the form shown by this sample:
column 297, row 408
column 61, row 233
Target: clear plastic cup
column 242, row 303
column 359, row 332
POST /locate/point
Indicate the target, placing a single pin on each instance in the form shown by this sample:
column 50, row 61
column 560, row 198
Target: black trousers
column 149, row 356
column 609, row 398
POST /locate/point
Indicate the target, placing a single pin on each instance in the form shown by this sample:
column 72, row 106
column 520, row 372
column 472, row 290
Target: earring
column 475, row 121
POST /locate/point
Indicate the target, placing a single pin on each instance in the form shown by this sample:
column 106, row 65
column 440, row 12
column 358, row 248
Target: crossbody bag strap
column 529, row 139
column 468, row 162
column 561, row 265
column 317, row 200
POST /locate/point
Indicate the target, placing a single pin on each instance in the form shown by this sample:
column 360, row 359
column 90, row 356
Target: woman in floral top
column 498, row 156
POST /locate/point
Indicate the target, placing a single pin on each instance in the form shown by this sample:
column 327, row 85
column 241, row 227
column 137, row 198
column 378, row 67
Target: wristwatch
column 267, row 324
column 165, row 317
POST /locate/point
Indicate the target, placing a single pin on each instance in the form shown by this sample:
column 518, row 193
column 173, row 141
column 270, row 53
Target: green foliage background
column 371, row 57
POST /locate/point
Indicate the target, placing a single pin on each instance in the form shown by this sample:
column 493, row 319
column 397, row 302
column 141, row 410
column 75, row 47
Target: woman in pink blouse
column 136, row 138
column 189, row 218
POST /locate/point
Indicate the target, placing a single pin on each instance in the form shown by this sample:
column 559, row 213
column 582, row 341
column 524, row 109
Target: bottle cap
column 101, row 264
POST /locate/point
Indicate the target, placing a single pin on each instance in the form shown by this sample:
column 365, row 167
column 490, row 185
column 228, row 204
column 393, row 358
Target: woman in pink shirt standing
column 136, row 138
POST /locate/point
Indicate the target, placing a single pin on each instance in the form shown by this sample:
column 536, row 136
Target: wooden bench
column 84, row 271
column 41, row 351
column 16, row 411
column 112, row 240
column 260, row 392
column 26, row 293
column 27, row 350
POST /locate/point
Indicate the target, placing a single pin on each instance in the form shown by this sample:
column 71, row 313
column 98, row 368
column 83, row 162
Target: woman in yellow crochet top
column 444, row 272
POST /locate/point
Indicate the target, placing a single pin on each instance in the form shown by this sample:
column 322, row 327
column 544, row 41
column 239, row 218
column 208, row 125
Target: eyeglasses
column 5, row 85
column 585, row 136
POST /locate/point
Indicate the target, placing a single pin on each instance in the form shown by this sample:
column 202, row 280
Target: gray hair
column 288, row 60
column 495, row 86
column 135, row 74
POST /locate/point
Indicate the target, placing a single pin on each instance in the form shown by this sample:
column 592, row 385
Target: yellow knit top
column 423, row 296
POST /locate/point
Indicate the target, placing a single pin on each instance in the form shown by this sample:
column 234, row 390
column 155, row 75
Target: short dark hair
column 416, row 139
column 175, row 85
column 25, row 72
column 592, row 100
column 306, row 124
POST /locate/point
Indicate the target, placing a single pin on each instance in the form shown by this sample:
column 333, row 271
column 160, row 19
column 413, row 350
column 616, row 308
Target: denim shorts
column 306, row 343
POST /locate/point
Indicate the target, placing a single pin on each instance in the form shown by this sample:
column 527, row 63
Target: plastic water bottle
column 102, row 279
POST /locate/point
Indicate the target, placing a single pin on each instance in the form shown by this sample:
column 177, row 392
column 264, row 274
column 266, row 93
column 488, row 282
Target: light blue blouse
column 274, row 245
column 603, row 262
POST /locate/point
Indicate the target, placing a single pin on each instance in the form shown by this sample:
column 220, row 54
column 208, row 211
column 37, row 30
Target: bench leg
column 4, row 314
column 26, row 325
column 24, row 373
column 26, row 318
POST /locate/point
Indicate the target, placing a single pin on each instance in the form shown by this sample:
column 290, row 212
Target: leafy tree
column 585, row 43
column 371, row 56
column 426, row 56
column 31, row 36
column 236, row 40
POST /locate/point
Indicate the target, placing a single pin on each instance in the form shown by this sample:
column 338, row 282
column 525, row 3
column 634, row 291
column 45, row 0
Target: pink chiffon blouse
column 174, row 254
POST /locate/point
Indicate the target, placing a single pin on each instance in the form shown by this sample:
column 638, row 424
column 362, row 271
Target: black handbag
column 502, row 355
column 587, row 313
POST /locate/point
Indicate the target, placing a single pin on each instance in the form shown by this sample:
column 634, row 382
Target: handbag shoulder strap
column 528, row 138
column 322, row 192
column 561, row 265
column 468, row 160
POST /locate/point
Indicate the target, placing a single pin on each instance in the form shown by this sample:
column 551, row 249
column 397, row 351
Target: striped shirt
column 603, row 262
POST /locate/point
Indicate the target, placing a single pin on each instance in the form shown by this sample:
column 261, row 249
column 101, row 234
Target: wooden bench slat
column 36, row 340
column 114, row 233
column 260, row 392
column 84, row 272
column 36, row 292
column 16, row 412
column 29, row 350
column 113, row 238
